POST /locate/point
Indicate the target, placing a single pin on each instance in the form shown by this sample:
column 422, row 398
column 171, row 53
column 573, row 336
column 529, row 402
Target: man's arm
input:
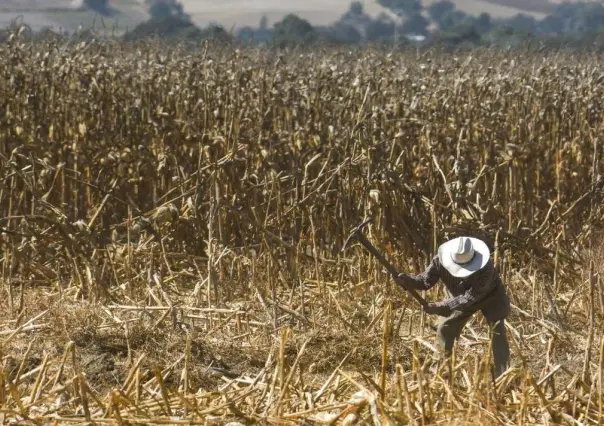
column 481, row 283
column 423, row 281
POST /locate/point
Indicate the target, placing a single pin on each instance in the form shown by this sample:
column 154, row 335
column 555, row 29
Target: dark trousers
column 495, row 308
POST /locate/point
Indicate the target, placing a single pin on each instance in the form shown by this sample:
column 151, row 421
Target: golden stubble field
column 172, row 223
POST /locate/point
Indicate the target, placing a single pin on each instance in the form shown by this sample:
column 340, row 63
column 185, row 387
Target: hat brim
column 480, row 259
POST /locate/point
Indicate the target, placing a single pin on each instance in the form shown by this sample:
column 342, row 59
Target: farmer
column 468, row 273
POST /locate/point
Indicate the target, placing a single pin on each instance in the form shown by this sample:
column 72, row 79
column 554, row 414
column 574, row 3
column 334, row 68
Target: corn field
column 172, row 223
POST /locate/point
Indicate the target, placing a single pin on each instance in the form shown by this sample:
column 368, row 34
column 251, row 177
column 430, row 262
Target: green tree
column 214, row 32
column 100, row 6
column 507, row 37
column 346, row 33
column 463, row 36
column 439, row 9
column 446, row 17
column 483, row 23
column 416, row 24
column 263, row 25
column 164, row 8
column 410, row 12
column 170, row 27
column 291, row 31
column 249, row 34
column 356, row 15
column 522, row 23
column 402, row 7
column 381, row 29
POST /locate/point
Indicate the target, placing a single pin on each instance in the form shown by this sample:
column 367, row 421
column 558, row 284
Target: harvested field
column 171, row 225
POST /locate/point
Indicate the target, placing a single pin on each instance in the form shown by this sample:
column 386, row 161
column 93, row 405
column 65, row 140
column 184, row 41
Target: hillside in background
column 248, row 12
column 68, row 15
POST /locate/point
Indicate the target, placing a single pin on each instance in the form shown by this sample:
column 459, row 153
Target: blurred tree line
column 404, row 22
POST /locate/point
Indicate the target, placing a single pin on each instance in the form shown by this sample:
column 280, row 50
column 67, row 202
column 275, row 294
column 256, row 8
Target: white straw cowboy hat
column 463, row 256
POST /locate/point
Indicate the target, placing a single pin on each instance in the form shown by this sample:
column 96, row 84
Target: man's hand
column 400, row 280
column 433, row 309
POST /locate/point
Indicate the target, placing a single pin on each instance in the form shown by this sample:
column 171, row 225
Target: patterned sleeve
column 479, row 285
column 425, row 280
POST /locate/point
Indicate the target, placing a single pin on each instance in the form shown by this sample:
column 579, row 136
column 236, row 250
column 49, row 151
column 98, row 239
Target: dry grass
column 171, row 226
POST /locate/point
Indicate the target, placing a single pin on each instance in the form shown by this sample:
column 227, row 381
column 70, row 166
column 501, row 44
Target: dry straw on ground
column 171, row 225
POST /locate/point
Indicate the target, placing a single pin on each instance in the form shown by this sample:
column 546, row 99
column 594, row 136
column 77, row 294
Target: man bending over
column 467, row 271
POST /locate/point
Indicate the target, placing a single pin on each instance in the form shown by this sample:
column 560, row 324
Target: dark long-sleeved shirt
column 465, row 291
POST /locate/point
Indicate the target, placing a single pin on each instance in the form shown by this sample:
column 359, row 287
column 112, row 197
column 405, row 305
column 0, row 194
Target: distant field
column 244, row 12
column 236, row 13
column 65, row 15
